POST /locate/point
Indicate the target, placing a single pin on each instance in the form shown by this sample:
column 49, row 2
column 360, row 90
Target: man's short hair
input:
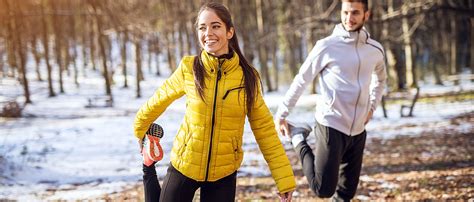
column 365, row 2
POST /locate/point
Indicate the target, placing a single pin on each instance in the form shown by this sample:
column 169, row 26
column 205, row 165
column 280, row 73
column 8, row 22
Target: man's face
column 353, row 16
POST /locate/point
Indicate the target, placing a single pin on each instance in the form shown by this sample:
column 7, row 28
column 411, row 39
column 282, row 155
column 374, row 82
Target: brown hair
column 365, row 2
column 251, row 76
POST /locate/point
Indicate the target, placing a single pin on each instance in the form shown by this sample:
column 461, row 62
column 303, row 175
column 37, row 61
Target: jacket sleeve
column 378, row 82
column 172, row 89
column 311, row 67
column 261, row 122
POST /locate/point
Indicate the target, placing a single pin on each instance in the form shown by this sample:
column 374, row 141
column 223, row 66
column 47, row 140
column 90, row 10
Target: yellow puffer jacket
column 208, row 145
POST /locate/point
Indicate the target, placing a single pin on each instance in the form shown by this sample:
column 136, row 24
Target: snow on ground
column 63, row 150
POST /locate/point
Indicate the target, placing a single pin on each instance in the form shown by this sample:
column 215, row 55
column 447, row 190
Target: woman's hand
column 140, row 142
column 286, row 197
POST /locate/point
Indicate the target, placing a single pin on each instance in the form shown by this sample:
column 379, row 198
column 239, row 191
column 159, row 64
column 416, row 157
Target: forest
column 428, row 41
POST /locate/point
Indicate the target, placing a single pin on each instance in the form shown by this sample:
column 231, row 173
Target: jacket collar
column 362, row 35
column 228, row 61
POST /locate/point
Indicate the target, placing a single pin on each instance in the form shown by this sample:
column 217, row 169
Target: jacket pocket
column 186, row 139
column 235, row 147
column 230, row 90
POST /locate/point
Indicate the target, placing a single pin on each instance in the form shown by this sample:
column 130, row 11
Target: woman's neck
column 228, row 55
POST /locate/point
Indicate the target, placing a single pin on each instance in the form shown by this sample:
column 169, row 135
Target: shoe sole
column 299, row 125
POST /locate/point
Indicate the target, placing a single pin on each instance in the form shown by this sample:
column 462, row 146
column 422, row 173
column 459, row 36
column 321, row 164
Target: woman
column 221, row 89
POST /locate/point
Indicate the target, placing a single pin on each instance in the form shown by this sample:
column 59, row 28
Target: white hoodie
column 352, row 78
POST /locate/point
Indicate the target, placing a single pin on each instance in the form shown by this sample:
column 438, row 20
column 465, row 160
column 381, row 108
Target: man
column 351, row 80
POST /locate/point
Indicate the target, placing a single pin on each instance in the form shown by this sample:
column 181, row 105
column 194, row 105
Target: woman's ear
column 230, row 33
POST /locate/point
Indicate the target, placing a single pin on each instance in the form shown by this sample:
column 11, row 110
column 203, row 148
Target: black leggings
column 177, row 187
column 335, row 166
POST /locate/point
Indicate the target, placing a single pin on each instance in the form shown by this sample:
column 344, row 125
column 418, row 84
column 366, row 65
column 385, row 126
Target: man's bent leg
column 322, row 168
column 351, row 167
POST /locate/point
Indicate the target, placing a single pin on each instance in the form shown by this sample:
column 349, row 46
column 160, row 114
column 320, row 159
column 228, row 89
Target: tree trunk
column 410, row 68
column 44, row 23
column 291, row 55
column 434, row 58
column 2, row 66
column 123, row 53
column 156, row 49
column 18, row 28
column 170, row 53
column 84, row 42
column 181, row 39
column 262, row 53
column 445, row 46
column 108, row 89
column 399, row 69
column 102, row 48
column 36, row 56
column 58, row 39
column 472, row 46
column 275, row 64
column 189, row 38
column 392, row 75
column 92, row 44
column 10, row 42
column 246, row 29
column 393, row 81
column 73, row 45
column 150, row 54
column 108, row 54
column 138, row 57
column 454, row 69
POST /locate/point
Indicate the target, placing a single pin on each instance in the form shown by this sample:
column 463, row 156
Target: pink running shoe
column 152, row 151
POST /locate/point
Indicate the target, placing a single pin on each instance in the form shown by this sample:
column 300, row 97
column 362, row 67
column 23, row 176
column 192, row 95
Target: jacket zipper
column 219, row 74
column 358, row 83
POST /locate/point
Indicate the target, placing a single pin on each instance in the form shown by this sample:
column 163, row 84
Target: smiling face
column 213, row 33
column 353, row 15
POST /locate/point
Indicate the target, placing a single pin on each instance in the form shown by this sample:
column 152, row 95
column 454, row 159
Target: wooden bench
column 406, row 109
column 456, row 79
column 100, row 101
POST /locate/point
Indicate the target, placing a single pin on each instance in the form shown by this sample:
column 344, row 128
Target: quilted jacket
column 208, row 145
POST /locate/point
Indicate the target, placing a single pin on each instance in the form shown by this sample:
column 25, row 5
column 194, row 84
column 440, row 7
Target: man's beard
column 359, row 27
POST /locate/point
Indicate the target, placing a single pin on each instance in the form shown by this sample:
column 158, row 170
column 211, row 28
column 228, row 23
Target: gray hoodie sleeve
column 308, row 71
column 377, row 86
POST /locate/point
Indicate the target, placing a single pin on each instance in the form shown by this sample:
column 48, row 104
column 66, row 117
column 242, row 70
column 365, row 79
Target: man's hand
column 369, row 116
column 286, row 197
column 282, row 127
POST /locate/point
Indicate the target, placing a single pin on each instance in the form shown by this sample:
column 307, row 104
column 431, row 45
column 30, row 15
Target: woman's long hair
column 251, row 76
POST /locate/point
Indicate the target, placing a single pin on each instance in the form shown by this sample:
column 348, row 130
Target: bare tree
column 44, row 23
column 73, row 43
column 102, row 45
column 472, row 45
column 262, row 49
column 36, row 55
column 17, row 26
column 123, row 53
column 58, row 47
column 407, row 42
column 138, row 59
